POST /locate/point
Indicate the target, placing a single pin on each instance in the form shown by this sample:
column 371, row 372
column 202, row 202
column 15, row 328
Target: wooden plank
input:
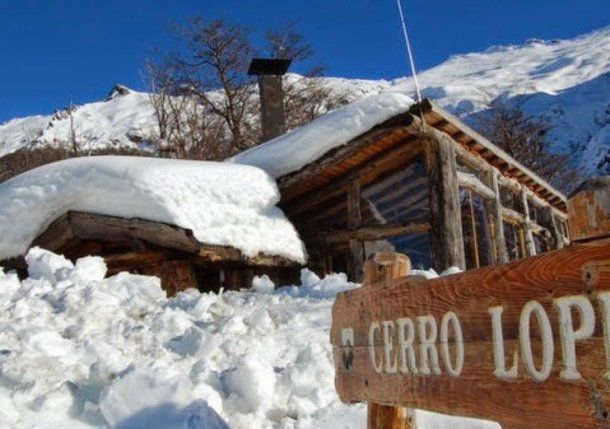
column 446, row 241
column 377, row 232
column 354, row 220
column 383, row 267
column 530, row 248
column 589, row 210
column 495, row 210
column 550, row 220
column 483, row 385
column 469, row 181
column 111, row 228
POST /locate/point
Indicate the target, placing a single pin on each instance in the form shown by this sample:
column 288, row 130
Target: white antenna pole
column 409, row 52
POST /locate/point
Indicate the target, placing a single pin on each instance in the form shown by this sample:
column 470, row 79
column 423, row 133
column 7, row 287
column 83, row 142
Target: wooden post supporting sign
column 387, row 266
column 526, row 344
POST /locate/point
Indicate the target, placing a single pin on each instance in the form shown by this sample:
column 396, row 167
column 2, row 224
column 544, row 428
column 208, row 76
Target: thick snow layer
column 81, row 351
column 223, row 204
column 304, row 145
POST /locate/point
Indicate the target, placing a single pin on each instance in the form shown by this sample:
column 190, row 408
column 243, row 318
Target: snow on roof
column 296, row 149
column 223, row 204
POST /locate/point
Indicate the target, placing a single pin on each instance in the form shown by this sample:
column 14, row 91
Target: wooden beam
column 554, row 229
column 354, row 220
column 530, row 248
column 110, row 228
column 471, row 182
column 385, row 267
column 495, row 209
column 377, row 232
column 513, row 215
column 446, row 240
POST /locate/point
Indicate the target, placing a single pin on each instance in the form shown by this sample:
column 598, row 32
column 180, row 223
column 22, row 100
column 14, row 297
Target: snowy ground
column 81, row 351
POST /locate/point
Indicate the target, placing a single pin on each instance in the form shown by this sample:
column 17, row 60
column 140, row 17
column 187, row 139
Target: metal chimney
column 270, row 72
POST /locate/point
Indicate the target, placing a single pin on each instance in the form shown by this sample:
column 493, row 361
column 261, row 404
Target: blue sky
column 51, row 50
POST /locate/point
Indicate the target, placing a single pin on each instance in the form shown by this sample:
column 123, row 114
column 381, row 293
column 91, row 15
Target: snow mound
column 223, row 204
column 81, row 351
column 296, row 149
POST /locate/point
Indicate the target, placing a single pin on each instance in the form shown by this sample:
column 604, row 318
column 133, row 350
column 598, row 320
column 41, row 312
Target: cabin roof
column 215, row 204
column 312, row 156
column 474, row 142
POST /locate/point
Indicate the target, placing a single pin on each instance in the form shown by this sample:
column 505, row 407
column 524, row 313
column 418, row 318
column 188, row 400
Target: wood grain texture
column 589, row 210
column 446, row 241
column 520, row 403
column 380, row 267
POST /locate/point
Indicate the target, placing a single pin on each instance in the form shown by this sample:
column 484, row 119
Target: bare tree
column 525, row 138
column 186, row 128
column 214, row 72
column 72, row 129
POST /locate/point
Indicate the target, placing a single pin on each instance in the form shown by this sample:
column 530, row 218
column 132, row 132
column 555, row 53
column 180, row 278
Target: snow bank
column 78, row 350
column 223, row 204
column 294, row 150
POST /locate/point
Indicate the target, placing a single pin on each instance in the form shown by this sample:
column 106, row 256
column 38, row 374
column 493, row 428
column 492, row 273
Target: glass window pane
column 514, row 240
column 396, row 197
column 476, row 230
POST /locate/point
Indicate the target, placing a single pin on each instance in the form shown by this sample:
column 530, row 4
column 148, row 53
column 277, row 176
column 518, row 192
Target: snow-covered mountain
column 565, row 81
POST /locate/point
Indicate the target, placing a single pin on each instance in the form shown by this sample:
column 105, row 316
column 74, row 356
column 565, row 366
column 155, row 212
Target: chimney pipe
column 270, row 72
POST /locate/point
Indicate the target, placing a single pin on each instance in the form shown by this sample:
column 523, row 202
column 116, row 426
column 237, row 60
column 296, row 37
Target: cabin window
column 396, row 197
column 415, row 246
column 515, row 240
column 511, row 199
column 476, row 230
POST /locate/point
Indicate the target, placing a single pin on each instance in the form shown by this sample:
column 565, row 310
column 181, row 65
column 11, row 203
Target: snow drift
column 223, row 204
column 294, row 150
column 81, row 351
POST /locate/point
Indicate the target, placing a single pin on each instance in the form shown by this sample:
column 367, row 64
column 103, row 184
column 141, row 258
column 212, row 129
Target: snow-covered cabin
column 191, row 223
column 373, row 176
column 380, row 174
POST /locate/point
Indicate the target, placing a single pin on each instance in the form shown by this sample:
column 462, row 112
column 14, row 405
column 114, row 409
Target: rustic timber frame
column 324, row 200
column 152, row 248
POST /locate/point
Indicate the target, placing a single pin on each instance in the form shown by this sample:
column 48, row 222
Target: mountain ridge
column 566, row 82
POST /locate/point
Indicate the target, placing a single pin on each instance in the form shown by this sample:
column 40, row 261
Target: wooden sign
column 526, row 344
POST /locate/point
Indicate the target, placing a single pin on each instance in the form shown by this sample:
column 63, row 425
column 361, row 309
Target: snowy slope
column 566, row 81
column 81, row 351
column 223, row 204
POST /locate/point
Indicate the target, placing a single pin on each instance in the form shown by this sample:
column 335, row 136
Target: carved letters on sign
column 421, row 346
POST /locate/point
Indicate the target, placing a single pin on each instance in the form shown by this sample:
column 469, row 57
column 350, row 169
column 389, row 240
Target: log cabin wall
column 413, row 189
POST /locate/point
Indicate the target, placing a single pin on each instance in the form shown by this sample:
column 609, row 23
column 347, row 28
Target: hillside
column 564, row 81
